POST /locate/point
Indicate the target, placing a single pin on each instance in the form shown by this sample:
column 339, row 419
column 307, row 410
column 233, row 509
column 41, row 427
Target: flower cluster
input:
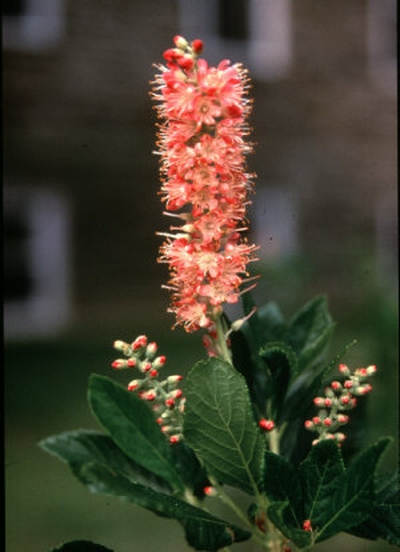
column 340, row 397
column 205, row 184
column 165, row 397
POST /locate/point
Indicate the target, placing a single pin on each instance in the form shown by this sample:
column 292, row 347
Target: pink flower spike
column 203, row 112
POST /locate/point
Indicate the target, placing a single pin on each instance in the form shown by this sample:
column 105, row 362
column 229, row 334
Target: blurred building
column 80, row 180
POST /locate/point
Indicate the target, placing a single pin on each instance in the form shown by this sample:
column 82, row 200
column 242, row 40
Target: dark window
column 233, row 19
column 13, row 7
column 18, row 284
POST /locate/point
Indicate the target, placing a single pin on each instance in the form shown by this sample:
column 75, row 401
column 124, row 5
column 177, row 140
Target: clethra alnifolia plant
column 266, row 415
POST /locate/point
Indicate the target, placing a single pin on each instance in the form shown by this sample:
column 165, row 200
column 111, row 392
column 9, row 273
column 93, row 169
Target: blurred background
column 81, row 210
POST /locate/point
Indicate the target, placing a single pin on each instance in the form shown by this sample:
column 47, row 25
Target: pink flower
column 205, row 185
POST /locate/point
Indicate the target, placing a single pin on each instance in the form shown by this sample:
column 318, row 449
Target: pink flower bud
column 319, row 401
column 316, row 420
column 159, row 361
column 371, row 369
column 336, row 385
column 344, row 369
column 308, row 424
column 139, row 342
column 348, row 384
column 175, row 439
column 133, row 385
column 209, row 491
column 327, row 422
column 328, row 403
column 174, row 379
column 151, row 349
column 153, row 373
column 131, row 362
column 119, row 364
column 266, row 425
column 197, row 45
column 180, row 42
column 342, row 419
column 146, row 366
column 307, row 525
column 170, row 402
column 148, row 395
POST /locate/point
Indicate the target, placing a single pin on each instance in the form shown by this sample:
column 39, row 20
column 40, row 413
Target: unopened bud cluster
column 165, row 397
column 339, row 397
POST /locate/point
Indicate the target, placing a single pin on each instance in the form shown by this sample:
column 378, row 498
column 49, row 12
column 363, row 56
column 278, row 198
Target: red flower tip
column 266, row 425
column 197, row 46
column 307, row 525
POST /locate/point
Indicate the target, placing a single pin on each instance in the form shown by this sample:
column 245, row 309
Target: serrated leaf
column 353, row 500
column 384, row 520
column 282, row 483
column 84, row 446
column 310, row 331
column 220, row 427
column 281, row 363
column 280, row 514
column 132, row 426
column 81, row 546
column 203, row 531
column 321, row 475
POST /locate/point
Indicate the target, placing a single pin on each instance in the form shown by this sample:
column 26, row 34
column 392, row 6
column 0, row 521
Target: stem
column 221, row 344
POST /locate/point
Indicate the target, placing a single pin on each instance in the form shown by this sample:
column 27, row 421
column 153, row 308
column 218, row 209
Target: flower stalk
column 203, row 112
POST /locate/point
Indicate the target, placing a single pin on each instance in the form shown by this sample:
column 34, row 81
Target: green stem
column 221, row 344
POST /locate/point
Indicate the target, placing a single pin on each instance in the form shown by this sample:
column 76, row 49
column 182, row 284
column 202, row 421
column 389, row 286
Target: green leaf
column 281, row 364
column 203, row 531
column 310, row 331
column 84, row 446
column 322, row 475
column 281, row 515
column 282, row 484
column 192, row 472
column 132, row 426
column 384, row 520
column 81, row 546
column 220, row 427
column 353, row 500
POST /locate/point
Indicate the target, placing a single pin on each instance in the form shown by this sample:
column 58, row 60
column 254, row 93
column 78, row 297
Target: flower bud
column 266, row 425
column 159, row 361
column 140, row 341
column 174, row 379
column 197, row 46
column 342, row 419
column 119, row 364
column 134, row 385
column 210, row 491
column 121, row 346
column 180, row 42
column 319, row 401
column 344, row 369
column 145, row 366
column 151, row 349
